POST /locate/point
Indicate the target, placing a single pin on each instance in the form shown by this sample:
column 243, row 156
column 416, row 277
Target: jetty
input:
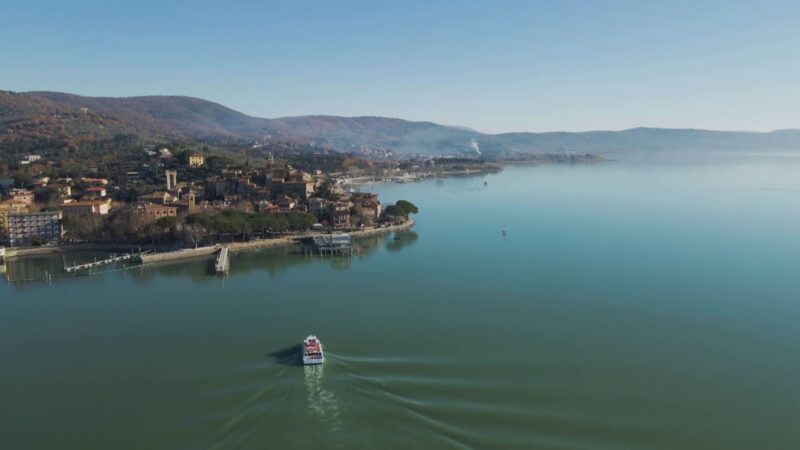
column 179, row 255
column 113, row 259
column 223, row 263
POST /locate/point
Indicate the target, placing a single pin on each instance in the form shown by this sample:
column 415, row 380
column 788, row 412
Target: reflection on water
column 41, row 268
column 33, row 268
column 630, row 307
column 401, row 240
column 321, row 402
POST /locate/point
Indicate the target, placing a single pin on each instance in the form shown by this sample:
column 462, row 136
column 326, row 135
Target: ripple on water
column 356, row 401
column 467, row 404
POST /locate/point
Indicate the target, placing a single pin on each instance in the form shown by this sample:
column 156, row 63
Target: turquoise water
column 630, row 305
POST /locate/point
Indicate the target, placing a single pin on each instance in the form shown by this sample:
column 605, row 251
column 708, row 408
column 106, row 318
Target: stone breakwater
column 178, row 255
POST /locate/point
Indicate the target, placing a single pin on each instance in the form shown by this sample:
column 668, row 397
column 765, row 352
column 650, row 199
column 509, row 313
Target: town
column 202, row 200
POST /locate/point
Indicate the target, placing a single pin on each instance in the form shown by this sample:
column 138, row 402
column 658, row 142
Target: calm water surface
column 630, row 305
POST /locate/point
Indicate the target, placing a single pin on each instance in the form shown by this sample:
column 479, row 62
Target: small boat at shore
column 312, row 351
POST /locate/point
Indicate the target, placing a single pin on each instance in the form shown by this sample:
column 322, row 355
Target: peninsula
column 203, row 202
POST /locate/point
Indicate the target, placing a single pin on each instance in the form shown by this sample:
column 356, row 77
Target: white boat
column 312, row 351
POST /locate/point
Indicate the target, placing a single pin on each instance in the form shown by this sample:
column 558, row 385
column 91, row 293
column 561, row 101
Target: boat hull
column 312, row 351
column 313, row 361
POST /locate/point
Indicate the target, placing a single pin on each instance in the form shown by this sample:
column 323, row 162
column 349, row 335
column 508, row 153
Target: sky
column 495, row 66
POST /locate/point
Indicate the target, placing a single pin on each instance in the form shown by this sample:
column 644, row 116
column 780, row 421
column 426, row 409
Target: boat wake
column 446, row 402
column 321, row 402
column 238, row 427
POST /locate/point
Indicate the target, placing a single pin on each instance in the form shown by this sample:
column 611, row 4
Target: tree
column 299, row 221
column 23, row 180
column 241, row 224
column 167, row 223
column 194, row 233
column 394, row 211
column 168, row 226
column 123, row 226
column 401, row 209
column 325, row 191
column 45, row 195
column 217, row 163
column 80, row 227
column 407, row 206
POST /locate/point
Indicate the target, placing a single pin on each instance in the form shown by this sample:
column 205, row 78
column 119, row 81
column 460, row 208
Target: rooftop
column 41, row 213
column 86, row 203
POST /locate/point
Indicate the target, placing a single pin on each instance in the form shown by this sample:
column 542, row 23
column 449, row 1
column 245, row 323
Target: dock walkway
column 223, row 264
column 103, row 262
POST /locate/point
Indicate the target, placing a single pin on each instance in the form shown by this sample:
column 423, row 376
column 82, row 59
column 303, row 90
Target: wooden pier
column 223, row 264
column 330, row 245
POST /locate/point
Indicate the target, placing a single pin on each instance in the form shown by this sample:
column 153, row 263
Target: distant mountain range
column 72, row 118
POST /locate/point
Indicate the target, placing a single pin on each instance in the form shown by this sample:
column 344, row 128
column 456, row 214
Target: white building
column 99, row 207
column 30, row 159
column 23, row 227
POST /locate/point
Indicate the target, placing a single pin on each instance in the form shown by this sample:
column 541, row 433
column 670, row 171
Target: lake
column 638, row 304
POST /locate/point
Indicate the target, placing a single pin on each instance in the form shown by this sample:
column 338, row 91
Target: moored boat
column 312, row 351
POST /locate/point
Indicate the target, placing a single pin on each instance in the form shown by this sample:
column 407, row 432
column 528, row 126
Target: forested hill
column 55, row 119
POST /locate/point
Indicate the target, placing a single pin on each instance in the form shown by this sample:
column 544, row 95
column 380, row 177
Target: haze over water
column 630, row 305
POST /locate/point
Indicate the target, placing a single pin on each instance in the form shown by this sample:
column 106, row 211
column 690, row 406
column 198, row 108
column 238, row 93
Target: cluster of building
column 19, row 226
column 340, row 210
column 22, row 224
column 274, row 188
column 29, row 159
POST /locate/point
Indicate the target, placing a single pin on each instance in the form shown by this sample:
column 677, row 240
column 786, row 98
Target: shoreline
column 260, row 244
column 415, row 177
column 36, row 251
column 13, row 253
column 292, row 240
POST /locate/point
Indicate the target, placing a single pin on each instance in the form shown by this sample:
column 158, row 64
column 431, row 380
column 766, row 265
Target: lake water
column 630, row 305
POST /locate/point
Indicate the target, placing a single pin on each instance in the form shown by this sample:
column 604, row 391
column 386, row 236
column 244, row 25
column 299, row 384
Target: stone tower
column 172, row 179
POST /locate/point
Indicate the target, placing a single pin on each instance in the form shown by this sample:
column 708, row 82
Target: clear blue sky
column 492, row 65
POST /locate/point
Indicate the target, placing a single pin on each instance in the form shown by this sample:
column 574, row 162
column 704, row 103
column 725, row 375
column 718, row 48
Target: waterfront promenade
column 195, row 252
column 263, row 243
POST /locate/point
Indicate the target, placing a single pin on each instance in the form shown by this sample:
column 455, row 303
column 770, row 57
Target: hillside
column 58, row 119
column 168, row 115
column 402, row 136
